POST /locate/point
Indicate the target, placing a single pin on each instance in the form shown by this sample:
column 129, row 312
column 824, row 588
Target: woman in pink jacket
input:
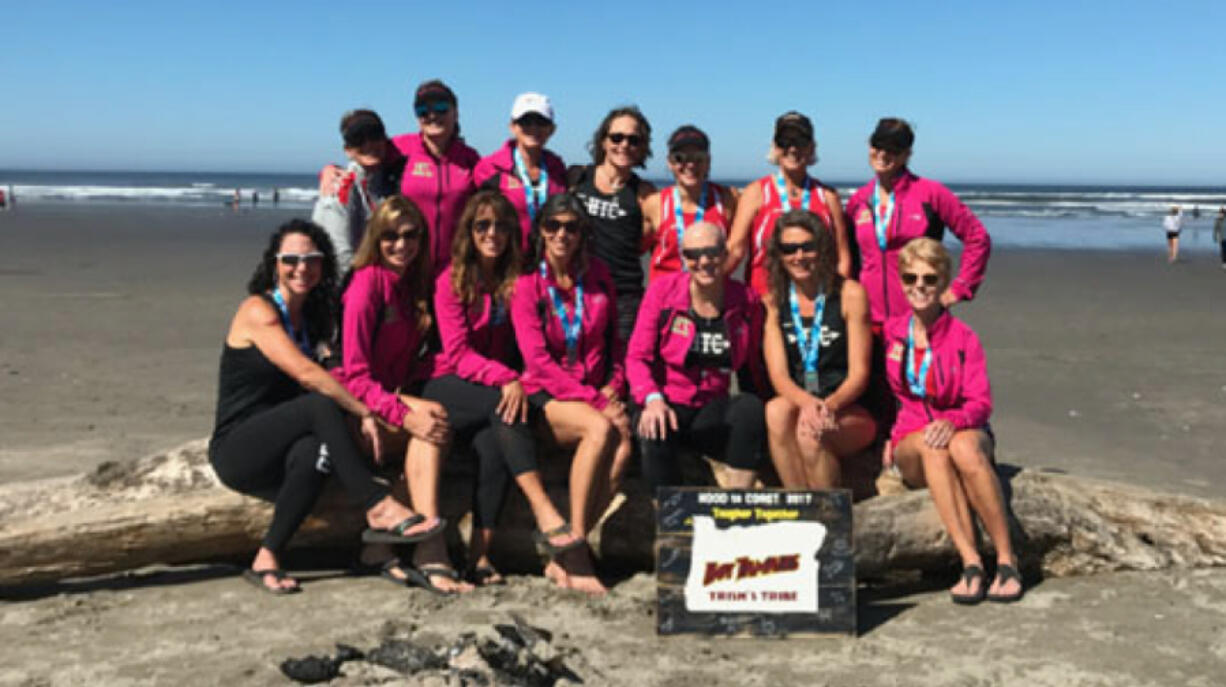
column 385, row 363
column 695, row 328
column 522, row 169
column 565, row 317
column 936, row 368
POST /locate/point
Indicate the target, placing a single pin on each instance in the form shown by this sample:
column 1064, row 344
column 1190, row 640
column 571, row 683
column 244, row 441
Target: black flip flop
column 396, row 533
column 419, row 576
column 1004, row 573
column 545, row 547
column 481, row 575
column 256, row 579
column 970, row 573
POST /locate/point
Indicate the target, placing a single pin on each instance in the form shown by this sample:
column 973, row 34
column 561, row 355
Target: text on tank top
column 711, row 347
column 832, row 359
column 617, row 229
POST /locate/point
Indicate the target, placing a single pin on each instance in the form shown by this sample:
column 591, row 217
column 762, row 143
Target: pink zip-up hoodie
column 501, row 164
column 380, row 342
column 543, row 343
column 440, row 187
column 956, row 388
column 665, row 330
column 922, row 207
column 478, row 339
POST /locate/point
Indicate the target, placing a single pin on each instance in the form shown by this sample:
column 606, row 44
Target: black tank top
column 832, row 358
column 617, row 228
column 248, row 383
column 711, row 347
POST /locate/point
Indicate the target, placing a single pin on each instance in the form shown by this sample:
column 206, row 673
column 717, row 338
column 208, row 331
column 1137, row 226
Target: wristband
column 653, row 396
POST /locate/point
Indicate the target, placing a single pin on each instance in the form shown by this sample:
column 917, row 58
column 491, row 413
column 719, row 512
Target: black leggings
column 731, row 427
column 471, row 412
column 275, row 455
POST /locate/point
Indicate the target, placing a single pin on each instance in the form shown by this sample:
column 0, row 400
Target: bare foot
column 580, row 573
column 557, row 574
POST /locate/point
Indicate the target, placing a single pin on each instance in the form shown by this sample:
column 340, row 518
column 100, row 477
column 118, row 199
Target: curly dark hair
column 560, row 204
column 828, row 277
column 320, row 309
column 596, row 145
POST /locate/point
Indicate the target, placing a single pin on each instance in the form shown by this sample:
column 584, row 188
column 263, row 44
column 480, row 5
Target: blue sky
column 1028, row 92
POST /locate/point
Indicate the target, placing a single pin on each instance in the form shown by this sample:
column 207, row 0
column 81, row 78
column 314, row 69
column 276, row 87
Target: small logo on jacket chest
column 422, row 169
column 865, row 216
column 896, row 351
column 683, row 326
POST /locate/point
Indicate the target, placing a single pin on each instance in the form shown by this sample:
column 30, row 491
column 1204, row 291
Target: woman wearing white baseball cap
column 522, row 169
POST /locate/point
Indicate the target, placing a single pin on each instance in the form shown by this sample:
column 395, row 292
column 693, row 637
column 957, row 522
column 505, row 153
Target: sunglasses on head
column 436, row 106
column 930, row 279
column 696, row 157
column 633, row 140
column 533, row 119
column 393, row 236
column 314, row 259
column 696, row 254
column 483, row 226
column 791, row 248
column 553, row 226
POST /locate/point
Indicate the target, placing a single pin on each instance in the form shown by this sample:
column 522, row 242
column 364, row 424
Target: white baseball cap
column 526, row 103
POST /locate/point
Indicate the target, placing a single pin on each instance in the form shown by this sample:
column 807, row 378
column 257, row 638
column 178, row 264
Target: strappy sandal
column 1004, row 573
column 396, row 533
column 486, row 576
column 256, row 579
column 547, row 548
column 969, row 574
column 419, row 576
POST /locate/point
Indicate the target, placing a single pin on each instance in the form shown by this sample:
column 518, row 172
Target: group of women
column 489, row 296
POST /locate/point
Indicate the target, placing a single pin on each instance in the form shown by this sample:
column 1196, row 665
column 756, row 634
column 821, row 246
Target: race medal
column 811, row 383
column 572, row 355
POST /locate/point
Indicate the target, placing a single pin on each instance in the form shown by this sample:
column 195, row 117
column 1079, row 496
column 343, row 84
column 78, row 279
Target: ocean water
column 1058, row 216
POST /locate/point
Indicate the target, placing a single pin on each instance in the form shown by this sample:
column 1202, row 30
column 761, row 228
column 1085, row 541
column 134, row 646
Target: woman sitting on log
column 281, row 426
column 941, row 438
column 818, row 345
column 695, row 328
column 383, row 335
column 565, row 318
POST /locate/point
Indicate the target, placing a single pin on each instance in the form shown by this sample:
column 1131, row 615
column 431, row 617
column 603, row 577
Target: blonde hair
column 418, row 276
column 930, row 251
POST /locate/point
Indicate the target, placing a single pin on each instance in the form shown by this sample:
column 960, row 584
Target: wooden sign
column 764, row 562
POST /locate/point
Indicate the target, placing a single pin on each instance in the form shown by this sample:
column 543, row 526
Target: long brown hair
column 828, row 278
column 560, row 204
column 418, row 275
column 465, row 272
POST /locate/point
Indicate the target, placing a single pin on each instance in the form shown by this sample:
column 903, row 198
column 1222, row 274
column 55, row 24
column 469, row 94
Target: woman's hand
column 938, row 433
column 610, row 393
column 330, row 180
column 513, row 406
column 427, row 420
column 948, row 298
column 370, row 429
column 656, row 419
column 816, row 419
column 615, row 411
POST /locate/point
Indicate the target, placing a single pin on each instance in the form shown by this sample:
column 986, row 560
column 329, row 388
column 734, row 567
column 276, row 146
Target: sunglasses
column 930, row 279
column 696, row 254
column 553, row 226
column 533, row 119
column 683, row 158
column 392, row 236
column 483, row 226
column 633, row 140
column 792, row 248
column 437, row 107
column 293, row 259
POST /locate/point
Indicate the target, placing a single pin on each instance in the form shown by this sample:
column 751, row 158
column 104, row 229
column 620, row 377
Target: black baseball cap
column 793, row 129
column 359, row 127
column 433, row 90
column 688, row 136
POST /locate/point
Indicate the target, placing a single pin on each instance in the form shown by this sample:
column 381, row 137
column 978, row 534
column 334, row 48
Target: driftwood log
column 170, row 508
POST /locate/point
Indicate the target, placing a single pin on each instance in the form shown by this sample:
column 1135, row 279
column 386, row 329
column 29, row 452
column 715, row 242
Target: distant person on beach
column 348, row 198
column 941, row 438
column 4, row 204
column 1219, row 233
column 793, row 149
column 565, row 316
column 280, row 426
column 613, row 197
column 236, row 201
column 691, row 199
column 697, row 327
column 818, row 346
column 255, row 198
column 1173, row 225
column 1195, row 212
column 523, row 170
column 276, row 196
column 387, row 319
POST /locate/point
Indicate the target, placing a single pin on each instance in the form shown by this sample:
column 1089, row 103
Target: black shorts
column 1172, row 235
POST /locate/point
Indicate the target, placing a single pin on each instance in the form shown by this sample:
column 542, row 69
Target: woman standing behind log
column 941, row 438
column 280, row 428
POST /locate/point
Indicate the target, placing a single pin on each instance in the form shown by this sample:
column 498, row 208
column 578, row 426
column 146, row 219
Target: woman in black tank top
column 817, row 345
column 613, row 197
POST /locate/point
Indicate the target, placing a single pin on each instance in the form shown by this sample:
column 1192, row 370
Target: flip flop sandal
column 420, row 577
column 1004, row 573
column 396, row 533
column 546, row 548
column 388, row 572
column 969, row 574
column 256, row 579
column 482, row 575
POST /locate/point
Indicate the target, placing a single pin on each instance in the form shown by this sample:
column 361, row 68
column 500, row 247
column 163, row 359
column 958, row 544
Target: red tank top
column 666, row 255
column 763, row 225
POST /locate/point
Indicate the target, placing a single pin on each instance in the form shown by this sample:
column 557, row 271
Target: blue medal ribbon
column 808, row 342
column 882, row 216
column 301, row 340
column 534, row 194
column 679, row 216
column 571, row 328
column 782, row 186
column 916, row 382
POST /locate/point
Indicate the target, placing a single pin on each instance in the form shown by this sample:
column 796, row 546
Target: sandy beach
column 1106, row 364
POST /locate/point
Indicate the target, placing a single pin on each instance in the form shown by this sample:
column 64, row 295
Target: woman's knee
column 968, row 452
column 780, row 414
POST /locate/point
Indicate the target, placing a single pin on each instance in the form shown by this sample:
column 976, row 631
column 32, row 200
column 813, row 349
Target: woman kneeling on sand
column 385, row 324
column 565, row 317
column 695, row 328
column 941, row 438
column 818, row 346
column 280, row 427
